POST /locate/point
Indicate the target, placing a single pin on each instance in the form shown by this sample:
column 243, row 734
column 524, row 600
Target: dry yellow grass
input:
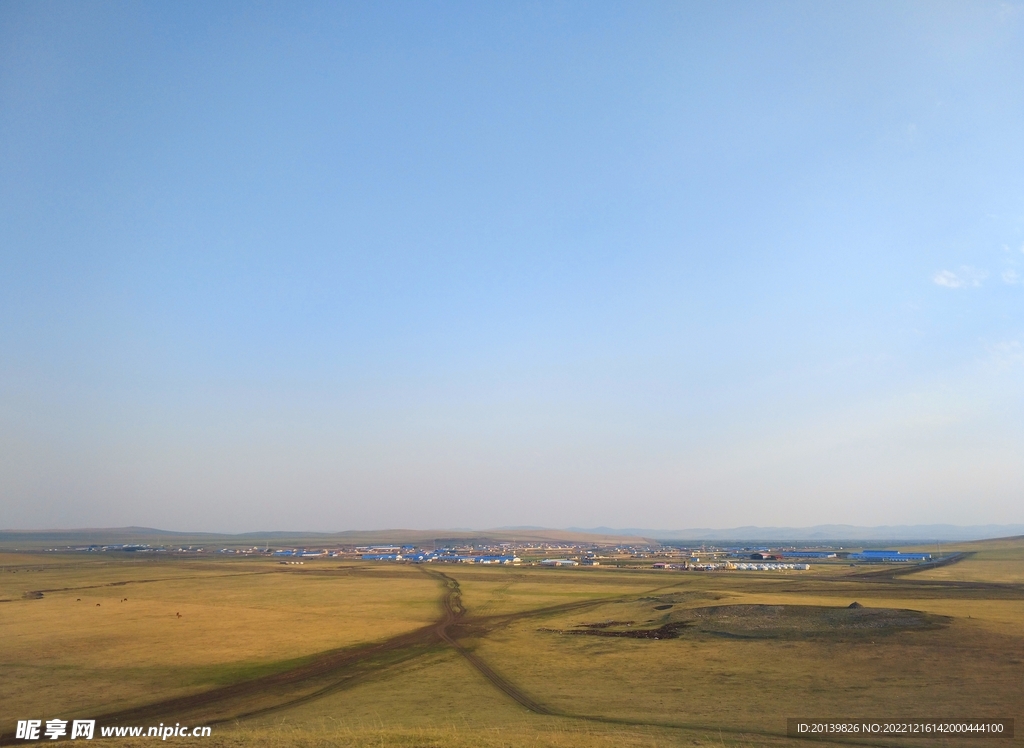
column 245, row 618
column 82, row 648
column 1000, row 561
column 501, row 591
column 698, row 680
column 441, row 701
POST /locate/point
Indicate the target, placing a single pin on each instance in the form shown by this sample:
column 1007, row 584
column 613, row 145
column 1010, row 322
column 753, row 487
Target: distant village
column 653, row 556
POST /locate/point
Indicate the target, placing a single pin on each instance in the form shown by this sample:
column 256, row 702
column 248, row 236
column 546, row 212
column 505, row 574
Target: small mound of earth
column 809, row 621
column 854, row 605
column 774, row 622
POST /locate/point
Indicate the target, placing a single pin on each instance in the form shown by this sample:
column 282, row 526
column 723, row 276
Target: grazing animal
column 178, row 614
column 97, row 605
column 78, row 600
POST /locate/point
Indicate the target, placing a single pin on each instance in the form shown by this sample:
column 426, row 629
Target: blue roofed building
column 890, row 556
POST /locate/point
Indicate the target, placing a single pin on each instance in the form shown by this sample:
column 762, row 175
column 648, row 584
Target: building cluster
column 731, row 566
column 667, row 556
column 123, row 547
column 441, row 555
column 889, row 557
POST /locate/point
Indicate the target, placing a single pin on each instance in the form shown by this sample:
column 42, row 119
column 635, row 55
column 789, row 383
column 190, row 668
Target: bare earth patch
column 771, row 622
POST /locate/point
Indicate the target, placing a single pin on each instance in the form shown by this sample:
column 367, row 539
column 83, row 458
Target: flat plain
column 339, row 653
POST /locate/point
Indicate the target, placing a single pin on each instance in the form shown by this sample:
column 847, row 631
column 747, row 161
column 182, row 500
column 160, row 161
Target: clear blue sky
column 336, row 266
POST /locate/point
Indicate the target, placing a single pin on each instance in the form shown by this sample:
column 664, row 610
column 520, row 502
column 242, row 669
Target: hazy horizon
column 830, row 535
column 660, row 265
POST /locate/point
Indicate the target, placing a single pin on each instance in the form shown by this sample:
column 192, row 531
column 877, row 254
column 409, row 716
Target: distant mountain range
column 918, row 533
column 35, row 539
column 852, row 534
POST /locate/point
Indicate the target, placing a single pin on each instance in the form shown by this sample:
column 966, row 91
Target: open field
column 990, row 561
column 351, row 653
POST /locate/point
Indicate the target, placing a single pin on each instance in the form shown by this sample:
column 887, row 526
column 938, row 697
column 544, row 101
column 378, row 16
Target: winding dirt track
column 453, row 614
column 336, row 670
column 316, row 677
column 329, row 672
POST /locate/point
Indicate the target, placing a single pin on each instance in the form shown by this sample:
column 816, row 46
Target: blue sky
column 329, row 266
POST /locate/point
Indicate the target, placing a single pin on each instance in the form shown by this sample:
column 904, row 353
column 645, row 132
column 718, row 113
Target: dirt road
column 454, row 612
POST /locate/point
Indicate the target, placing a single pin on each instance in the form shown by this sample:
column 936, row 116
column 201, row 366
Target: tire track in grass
column 337, row 670
column 455, row 612
column 318, row 676
column 452, row 616
column 126, row 582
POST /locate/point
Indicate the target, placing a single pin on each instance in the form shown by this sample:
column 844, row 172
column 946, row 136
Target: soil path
column 315, row 677
column 329, row 672
column 335, row 670
column 454, row 612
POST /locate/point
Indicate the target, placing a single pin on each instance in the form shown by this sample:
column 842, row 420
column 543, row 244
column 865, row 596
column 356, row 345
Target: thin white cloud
column 1006, row 354
column 1011, row 276
column 1009, row 11
column 964, row 277
column 947, row 279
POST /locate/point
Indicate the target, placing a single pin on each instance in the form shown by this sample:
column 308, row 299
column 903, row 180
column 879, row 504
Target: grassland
column 341, row 653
